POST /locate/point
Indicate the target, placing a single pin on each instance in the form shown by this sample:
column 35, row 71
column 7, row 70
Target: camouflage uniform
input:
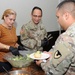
column 62, row 61
column 32, row 35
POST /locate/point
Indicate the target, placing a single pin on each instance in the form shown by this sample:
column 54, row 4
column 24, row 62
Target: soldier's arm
column 60, row 61
column 58, row 70
column 43, row 29
column 25, row 39
column 23, row 33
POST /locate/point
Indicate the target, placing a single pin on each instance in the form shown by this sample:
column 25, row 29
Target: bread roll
column 37, row 54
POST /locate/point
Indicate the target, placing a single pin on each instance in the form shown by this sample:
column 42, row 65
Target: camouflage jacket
column 62, row 61
column 32, row 35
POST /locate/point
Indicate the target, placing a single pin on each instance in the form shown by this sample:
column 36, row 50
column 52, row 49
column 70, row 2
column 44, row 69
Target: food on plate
column 37, row 54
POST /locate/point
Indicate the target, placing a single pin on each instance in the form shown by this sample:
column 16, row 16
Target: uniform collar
column 34, row 26
column 71, row 26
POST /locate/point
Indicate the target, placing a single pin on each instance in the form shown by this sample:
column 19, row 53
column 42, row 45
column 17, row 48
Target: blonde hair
column 8, row 12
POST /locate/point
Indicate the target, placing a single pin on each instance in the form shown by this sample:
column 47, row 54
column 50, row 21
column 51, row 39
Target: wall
column 24, row 7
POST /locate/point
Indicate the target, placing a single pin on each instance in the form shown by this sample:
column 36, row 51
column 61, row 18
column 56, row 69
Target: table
column 32, row 68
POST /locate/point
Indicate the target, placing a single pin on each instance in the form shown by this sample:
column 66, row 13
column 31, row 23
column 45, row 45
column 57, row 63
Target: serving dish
column 18, row 61
column 18, row 72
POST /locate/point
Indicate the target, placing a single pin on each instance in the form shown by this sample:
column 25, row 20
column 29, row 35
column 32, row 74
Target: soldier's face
column 61, row 18
column 36, row 16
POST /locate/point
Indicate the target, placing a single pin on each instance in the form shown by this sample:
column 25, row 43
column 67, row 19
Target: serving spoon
column 5, row 70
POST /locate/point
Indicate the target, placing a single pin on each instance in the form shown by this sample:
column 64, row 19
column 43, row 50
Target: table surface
column 32, row 68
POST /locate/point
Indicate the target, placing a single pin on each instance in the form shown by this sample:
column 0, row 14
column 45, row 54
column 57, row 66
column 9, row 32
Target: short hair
column 36, row 8
column 69, row 0
column 8, row 12
column 65, row 2
column 68, row 5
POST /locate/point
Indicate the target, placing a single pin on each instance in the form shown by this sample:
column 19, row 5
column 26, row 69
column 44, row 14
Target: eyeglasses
column 37, row 16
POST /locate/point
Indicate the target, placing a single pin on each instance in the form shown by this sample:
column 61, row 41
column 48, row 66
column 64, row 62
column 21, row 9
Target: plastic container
column 19, row 62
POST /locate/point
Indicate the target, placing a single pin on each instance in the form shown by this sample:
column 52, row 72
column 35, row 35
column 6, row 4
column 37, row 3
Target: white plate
column 43, row 56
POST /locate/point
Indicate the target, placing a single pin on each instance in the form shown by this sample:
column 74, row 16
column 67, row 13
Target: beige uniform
column 62, row 61
column 32, row 35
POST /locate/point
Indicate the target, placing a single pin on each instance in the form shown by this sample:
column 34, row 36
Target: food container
column 18, row 72
column 18, row 61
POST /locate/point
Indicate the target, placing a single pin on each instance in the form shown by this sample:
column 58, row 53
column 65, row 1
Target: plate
column 43, row 56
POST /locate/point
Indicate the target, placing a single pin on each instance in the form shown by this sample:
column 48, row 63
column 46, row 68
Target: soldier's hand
column 44, row 42
column 38, row 62
column 21, row 48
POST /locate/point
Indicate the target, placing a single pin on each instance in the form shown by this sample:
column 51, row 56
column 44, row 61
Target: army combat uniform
column 32, row 35
column 62, row 61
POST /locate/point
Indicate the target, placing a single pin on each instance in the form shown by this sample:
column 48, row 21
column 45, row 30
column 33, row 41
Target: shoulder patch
column 57, row 54
column 61, row 51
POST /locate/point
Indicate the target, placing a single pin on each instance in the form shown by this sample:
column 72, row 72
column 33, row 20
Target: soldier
column 33, row 34
column 62, row 60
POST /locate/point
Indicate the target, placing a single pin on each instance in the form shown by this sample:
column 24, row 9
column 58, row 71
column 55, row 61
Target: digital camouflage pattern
column 62, row 61
column 31, row 35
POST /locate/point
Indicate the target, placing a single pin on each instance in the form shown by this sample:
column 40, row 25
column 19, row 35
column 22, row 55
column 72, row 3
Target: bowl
column 18, row 61
column 18, row 72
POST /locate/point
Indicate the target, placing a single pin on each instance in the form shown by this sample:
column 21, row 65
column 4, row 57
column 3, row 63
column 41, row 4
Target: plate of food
column 39, row 55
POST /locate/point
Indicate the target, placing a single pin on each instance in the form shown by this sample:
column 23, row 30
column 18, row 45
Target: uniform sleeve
column 23, row 33
column 43, row 34
column 59, row 69
column 44, row 31
column 25, row 40
column 61, row 58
